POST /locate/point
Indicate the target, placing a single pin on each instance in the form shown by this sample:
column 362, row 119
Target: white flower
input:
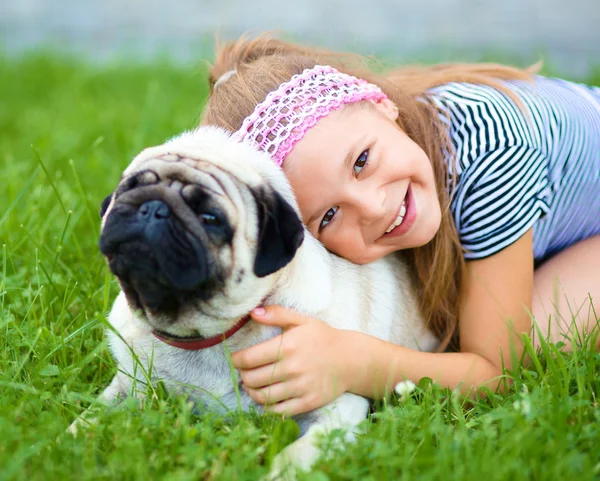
column 404, row 388
column 523, row 406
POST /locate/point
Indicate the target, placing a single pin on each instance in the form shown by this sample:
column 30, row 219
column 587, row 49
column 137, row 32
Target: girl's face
column 365, row 189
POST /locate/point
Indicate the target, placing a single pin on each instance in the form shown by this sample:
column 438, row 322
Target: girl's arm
column 312, row 363
column 495, row 302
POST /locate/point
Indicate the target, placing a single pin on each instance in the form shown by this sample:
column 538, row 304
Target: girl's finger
column 262, row 354
column 265, row 375
column 278, row 316
column 291, row 407
column 275, row 393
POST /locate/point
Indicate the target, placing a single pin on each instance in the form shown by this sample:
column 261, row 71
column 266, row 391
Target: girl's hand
column 297, row 371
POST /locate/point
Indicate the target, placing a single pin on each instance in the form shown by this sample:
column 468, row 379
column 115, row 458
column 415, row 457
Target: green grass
column 67, row 129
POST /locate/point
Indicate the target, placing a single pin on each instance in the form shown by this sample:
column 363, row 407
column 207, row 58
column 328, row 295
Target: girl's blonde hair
column 262, row 64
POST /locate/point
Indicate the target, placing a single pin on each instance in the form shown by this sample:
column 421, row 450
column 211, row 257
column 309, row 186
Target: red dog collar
column 197, row 343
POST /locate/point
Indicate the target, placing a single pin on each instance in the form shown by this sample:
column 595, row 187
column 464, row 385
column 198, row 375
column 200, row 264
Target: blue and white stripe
column 534, row 165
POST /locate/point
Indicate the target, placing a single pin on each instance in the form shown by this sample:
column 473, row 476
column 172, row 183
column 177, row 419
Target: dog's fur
column 218, row 235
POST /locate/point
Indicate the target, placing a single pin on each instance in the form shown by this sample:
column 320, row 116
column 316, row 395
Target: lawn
column 67, row 130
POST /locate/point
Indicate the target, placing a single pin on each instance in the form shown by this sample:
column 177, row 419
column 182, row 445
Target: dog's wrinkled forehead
column 201, row 153
column 172, row 167
column 193, row 154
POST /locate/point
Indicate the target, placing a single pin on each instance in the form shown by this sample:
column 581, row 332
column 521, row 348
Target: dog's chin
column 166, row 319
column 177, row 319
column 165, row 307
column 162, row 323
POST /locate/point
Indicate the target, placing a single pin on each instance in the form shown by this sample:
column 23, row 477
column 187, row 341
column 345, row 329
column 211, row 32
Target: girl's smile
column 405, row 218
column 365, row 189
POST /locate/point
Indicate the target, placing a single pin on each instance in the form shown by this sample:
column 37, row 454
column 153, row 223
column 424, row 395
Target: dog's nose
column 154, row 210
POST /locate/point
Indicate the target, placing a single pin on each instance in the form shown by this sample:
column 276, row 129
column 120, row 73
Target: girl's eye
column 360, row 163
column 327, row 218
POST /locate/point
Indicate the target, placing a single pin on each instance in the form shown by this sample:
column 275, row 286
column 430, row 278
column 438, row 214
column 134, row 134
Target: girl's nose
column 371, row 208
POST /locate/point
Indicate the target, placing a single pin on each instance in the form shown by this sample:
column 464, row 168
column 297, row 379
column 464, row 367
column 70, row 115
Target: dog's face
column 195, row 230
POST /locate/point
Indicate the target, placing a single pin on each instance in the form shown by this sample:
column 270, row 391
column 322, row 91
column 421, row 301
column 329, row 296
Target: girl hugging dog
column 485, row 177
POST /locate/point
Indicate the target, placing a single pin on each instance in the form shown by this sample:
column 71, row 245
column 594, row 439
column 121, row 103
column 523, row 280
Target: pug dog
column 200, row 231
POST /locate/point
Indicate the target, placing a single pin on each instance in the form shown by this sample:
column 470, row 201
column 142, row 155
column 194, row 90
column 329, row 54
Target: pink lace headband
column 287, row 113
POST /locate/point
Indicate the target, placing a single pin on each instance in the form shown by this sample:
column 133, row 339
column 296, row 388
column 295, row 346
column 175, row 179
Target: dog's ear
column 105, row 204
column 280, row 233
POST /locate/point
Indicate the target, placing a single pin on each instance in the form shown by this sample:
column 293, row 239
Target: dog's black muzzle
column 152, row 253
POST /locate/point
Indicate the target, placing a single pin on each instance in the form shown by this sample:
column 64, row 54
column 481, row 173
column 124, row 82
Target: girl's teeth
column 399, row 219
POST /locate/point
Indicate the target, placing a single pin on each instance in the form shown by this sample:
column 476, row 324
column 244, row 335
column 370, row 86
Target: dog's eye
column 199, row 201
column 210, row 219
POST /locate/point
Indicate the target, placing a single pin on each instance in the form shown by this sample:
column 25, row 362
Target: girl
column 484, row 176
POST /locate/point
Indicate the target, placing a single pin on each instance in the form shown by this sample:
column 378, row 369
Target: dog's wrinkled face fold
column 192, row 237
column 159, row 237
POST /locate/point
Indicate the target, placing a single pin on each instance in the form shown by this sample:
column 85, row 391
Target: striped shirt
column 537, row 166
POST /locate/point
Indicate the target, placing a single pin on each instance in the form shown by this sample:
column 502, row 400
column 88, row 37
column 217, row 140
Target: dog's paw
column 282, row 469
column 298, row 456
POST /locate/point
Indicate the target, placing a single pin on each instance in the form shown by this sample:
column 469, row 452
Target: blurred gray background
column 564, row 33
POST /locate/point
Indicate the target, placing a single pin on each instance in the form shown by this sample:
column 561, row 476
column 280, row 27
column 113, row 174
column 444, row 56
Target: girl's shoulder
column 511, row 149
column 539, row 115
column 501, row 188
column 516, row 110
